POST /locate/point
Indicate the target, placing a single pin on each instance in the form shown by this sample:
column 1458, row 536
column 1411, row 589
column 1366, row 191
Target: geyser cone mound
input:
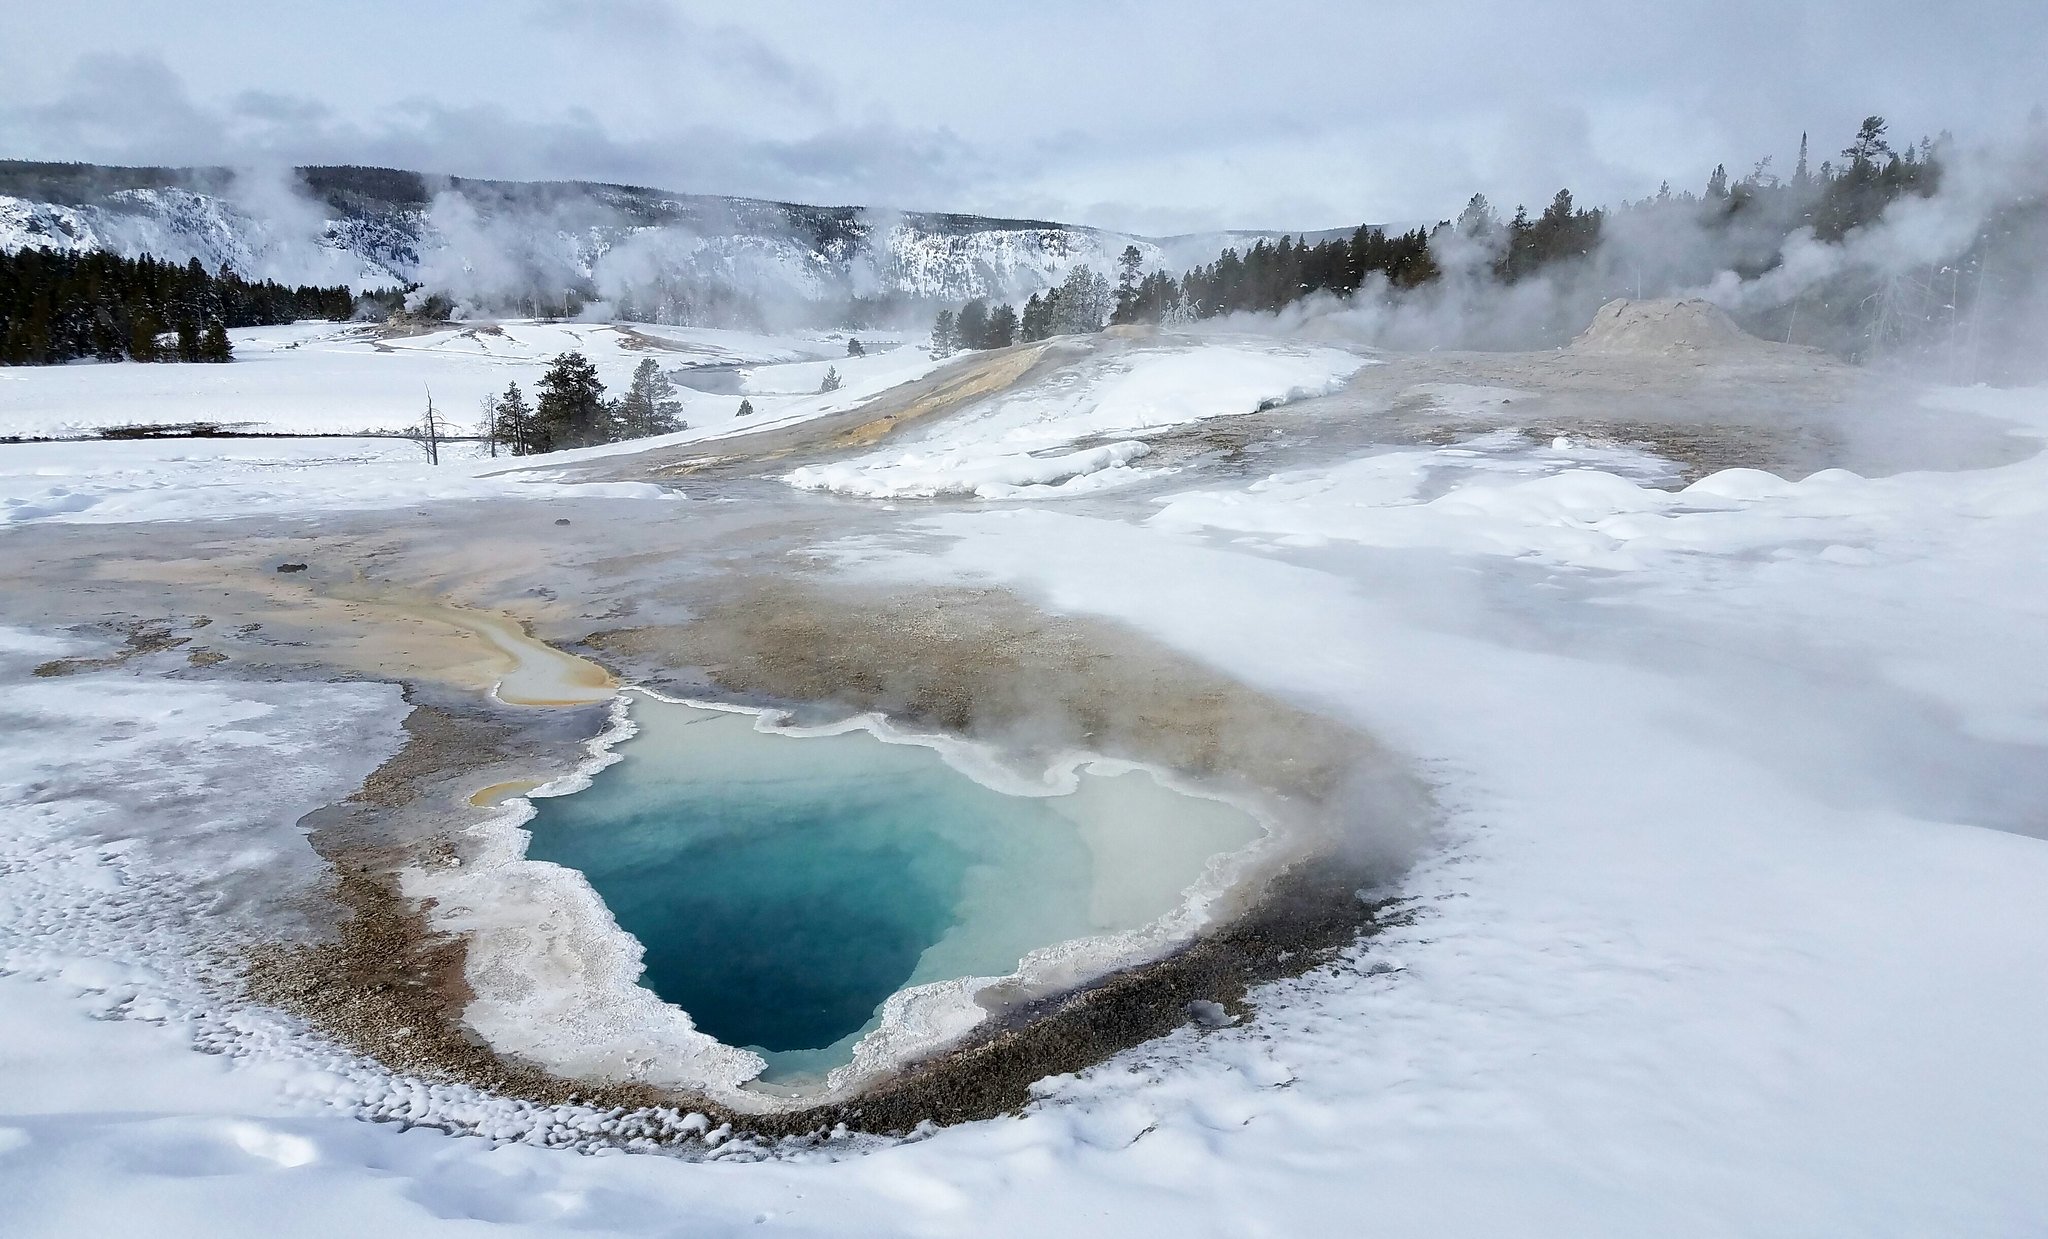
column 1663, row 329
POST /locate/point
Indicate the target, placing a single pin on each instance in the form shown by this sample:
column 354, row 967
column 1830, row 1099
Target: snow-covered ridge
column 179, row 225
column 511, row 241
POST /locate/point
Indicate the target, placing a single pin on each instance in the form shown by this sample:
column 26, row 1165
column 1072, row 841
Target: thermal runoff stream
column 784, row 886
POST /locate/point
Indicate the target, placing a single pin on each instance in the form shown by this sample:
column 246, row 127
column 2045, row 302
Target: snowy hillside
column 509, row 246
column 179, row 224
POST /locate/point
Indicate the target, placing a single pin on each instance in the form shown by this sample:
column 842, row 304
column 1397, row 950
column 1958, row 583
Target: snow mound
column 1662, row 328
column 964, row 473
column 1046, row 439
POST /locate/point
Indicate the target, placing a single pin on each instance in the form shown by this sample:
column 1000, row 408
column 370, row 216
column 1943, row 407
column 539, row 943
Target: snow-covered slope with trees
column 180, row 224
column 557, row 246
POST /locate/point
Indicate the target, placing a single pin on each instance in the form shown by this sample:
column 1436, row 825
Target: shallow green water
column 784, row 887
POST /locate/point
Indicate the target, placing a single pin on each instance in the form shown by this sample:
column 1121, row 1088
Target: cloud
column 129, row 108
column 1152, row 116
column 658, row 37
column 112, row 102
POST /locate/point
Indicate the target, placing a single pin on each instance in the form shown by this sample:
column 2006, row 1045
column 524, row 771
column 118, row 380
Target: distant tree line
column 59, row 307
column 1858, row 313
column 1748, row 221
column 1263, row 278
column 1268, row 276
column 571, row 409
column 1081, row 304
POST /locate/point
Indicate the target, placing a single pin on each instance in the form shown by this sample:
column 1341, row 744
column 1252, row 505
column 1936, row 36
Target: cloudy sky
column 1148, row 115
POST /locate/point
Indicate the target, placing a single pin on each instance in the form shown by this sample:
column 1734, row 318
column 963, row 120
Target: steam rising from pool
column 784, row 886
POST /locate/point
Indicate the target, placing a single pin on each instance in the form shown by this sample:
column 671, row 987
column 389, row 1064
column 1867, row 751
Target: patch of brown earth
column 385, row 983
column 143, row 637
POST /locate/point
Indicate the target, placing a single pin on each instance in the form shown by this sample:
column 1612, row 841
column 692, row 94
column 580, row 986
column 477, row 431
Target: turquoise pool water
column 784, row 887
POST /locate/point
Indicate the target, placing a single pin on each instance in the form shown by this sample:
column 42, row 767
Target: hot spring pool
column 784, row 886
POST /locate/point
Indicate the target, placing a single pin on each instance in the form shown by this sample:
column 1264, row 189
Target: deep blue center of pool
column 778, row 916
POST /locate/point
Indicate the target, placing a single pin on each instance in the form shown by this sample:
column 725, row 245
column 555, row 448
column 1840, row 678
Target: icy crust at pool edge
column 556, row 980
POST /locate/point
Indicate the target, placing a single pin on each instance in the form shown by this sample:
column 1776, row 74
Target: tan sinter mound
column 1661, row 328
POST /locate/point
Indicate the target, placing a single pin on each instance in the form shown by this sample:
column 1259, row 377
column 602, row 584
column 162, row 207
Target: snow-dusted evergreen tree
column 746, row 408
column 831, row 382
column 1083, row 304
column 945, row 335
column 854, row 348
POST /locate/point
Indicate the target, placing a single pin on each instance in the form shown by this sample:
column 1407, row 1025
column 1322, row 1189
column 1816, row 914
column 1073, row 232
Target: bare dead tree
column 431, row 430
column 488, row 426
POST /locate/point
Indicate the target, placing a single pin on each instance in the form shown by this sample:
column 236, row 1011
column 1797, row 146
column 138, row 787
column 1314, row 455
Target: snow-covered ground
column 1731, row 927
column 175, row 479
column 338, row 378
column 190, row 479
column 1022, row 444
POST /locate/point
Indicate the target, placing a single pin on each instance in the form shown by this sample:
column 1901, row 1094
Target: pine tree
column 39, row 346
column 1478, row 220
column 831, row 382
column 143, row 331
column 515, row 424
column 1159, row 298
column 1129, row 264
column 214, row 345
column 1002, row 326
column 1037, row 321
column 1563, row 231
column 854, row 348
column 1870, row 143
column 971, row 327
column 649, row 406
column 945, row 335
column 746, row 408
column 572, row 411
